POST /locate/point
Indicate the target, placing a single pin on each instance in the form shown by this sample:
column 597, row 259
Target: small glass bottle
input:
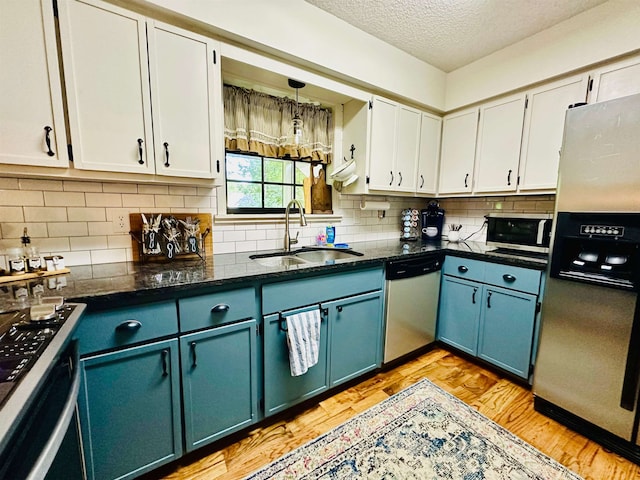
column 34, row 261
column 17, row 265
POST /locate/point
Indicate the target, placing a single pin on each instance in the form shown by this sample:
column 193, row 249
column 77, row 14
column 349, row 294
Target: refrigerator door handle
column 632, row 370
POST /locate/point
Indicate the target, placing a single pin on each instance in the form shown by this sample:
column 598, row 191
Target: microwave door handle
column 632, row 369
column 540, row 232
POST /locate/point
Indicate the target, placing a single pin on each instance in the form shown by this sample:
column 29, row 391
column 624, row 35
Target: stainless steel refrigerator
column 587, row 368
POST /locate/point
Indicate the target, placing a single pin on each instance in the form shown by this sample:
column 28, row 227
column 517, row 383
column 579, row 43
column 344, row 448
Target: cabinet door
column 218, row 382
column 499, row 141
column 106, row 74
column 355, row 328
column 382, row 143
column 31, row 101
column 129, row 405
column 281, row 390
column 543, row 130
column 184, row 79
column 616, row 80
column 459, row 132
column 506, row 329
column 407, row 149
column 427, row 172
column 459, row 313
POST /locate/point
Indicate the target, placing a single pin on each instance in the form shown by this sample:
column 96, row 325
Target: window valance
column 255, row 122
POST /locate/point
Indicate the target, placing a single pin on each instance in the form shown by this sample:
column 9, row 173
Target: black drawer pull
column 166, row 152
column 339, row 308
column 165, row 354
column 129, row 326
column 488, row 299
column 47, row 139
column 509, row 278
column 473, row 295
column 220, row 308
column 463, row 269
column 194, row 364
column 141, row 160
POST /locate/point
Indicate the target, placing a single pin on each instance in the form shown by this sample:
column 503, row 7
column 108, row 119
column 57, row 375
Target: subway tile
column 228, row 247
column 11, row 214
column 21, row 198
column 93, row 214
column 67, row 229
column 99, row 228
column 78, row 186
column 119, row 241
column 120, row 188
column 9, row 183
column 206, row 191
column 141, row 201
column 36, row 184
column 45, row 214
column 153, row 189
column 76, row 258
column 256, row 235
column 197, row 202
column 64, row 199
column 89, row 243
column 182, row 190
column 103, row 199
column 246, row 246
column 53, row 244
column 108, row 256
column 234, row 236
column 164, row 201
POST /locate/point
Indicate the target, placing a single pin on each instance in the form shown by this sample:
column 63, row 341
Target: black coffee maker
column 432, row 222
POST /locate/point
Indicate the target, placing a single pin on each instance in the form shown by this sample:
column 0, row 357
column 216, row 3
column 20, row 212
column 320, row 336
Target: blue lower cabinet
column 130, row 414
column 355, row 330
column 459, row 313
column 506, row 329
column 219, row 382
column 281, row 389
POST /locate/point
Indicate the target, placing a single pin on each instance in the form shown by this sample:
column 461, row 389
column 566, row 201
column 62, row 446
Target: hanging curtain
column 255, row 122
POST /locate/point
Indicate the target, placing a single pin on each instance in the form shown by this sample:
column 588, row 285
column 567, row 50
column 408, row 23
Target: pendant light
column 297, row 121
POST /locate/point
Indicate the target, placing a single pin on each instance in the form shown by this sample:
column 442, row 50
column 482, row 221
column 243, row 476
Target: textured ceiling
column 449, row 34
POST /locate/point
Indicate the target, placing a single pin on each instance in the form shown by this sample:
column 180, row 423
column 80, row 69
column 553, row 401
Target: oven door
column 46, row 444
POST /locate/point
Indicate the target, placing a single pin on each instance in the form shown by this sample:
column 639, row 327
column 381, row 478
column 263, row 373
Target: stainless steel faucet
column 303, row 222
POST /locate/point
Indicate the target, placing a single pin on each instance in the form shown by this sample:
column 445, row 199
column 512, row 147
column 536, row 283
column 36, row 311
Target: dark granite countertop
column 109, row 285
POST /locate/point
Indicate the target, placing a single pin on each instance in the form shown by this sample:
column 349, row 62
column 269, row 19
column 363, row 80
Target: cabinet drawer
column 464, row 268
column 306, row 291
column 516, row 278
column 217, row 308
column 124, row 326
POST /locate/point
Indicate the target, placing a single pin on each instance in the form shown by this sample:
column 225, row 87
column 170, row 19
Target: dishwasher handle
column 399, row 269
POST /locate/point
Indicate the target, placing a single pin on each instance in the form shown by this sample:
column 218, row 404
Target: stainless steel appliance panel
column 600, row 159
column 583, row 352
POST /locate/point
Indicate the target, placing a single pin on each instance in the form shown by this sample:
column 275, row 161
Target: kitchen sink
column 303, row 256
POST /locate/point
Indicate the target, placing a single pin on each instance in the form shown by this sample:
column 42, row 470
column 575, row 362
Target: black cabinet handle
column 509, row 177
column 488, row 299
column 473, row 295
column 391, row 182
column 508, row 278
column 166, row 153
column 463, row 269
column 220, row 308
column 324, row 311
column 194, row 355
column 140, row 142
column 47, row 139
column 400, row 175
column 165, row 354
column 421, row 181
column 465, row 180
column 339, row 308
column 129, row 326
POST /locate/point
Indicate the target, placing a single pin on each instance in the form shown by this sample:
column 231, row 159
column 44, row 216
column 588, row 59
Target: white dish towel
column 303, row 339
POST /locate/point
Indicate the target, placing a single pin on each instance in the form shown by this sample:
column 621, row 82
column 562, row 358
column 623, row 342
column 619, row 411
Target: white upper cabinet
column 543, row 130
column 616, row 80
column 116, row 62
column 32, row 129
column 395, row 146
column 459, row 131
column 498, row 148
column 428, row 159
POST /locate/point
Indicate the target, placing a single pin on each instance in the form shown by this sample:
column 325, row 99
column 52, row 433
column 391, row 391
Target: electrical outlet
column 121, row 223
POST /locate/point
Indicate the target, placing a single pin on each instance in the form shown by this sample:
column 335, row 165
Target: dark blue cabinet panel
column 459, row 315
column 129, row 406
column 218, row 382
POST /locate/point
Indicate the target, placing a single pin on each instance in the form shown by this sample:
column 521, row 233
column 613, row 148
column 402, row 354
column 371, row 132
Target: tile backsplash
column 78, row 219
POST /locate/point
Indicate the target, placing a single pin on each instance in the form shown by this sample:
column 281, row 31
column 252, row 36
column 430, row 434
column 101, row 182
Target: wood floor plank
column 507, row 403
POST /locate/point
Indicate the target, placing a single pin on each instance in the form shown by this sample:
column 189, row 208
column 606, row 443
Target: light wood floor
column 507, row 403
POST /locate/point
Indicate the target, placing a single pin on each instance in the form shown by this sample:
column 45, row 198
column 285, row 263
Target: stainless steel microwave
column 520, row 231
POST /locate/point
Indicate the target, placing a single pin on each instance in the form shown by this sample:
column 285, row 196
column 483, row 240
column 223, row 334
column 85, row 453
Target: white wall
column 603, row 32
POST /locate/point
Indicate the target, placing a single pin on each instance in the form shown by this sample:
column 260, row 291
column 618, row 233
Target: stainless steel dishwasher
column 412, row 290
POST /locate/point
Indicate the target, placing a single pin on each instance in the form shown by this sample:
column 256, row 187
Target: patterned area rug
column 420, row 433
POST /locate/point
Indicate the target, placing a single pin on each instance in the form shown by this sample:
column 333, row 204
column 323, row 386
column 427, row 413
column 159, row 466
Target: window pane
column 300, row 195
column 244, row 167
column 280, row 171
column 277, row 196
column 303, row 170
column 244, row 195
